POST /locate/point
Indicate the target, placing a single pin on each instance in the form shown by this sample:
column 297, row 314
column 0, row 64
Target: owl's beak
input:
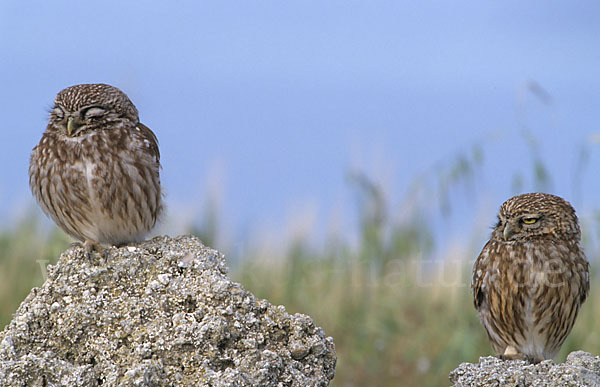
column 73, row 124
column 509, row 231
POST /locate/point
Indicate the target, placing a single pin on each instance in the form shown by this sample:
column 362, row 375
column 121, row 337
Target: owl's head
column 81, row 109
column 534, row 216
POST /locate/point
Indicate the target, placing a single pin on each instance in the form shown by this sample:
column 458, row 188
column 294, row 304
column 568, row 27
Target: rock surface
column 580, row 369
column 161, row 313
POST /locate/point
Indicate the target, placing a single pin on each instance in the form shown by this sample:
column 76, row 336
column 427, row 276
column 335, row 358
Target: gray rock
column 161, row 313
column 580, row 369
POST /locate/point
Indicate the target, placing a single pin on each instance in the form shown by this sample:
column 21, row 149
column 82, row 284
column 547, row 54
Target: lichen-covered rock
column 580, row 369
column 161, row 313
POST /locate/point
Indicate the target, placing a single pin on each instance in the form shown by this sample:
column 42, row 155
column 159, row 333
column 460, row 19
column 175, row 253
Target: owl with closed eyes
column 95, row 171
column 531, row 277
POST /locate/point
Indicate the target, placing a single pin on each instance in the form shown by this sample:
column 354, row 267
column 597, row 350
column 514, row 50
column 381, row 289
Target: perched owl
column 95, row 171
column 531, row 277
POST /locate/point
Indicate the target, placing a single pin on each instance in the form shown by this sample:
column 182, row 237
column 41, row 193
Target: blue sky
column 270, row 103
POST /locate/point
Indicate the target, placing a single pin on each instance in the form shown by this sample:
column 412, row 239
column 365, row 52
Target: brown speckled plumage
column 95, row 171
column 531, row 277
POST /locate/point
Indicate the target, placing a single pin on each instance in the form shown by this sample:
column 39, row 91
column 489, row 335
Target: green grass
column 25, row 251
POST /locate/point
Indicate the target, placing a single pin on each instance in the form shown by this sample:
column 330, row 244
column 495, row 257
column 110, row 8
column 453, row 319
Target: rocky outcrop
column 160, row 313
column 580, row 369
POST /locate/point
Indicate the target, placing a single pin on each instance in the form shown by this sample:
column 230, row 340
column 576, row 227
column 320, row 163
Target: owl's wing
column 479, row 274
column 147, row 134
column 585, row 284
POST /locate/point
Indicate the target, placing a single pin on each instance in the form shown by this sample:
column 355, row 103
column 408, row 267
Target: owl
column 531, row 277
column 95, row 171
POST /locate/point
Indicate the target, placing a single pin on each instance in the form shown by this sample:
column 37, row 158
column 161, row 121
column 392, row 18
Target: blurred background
column 348, row 157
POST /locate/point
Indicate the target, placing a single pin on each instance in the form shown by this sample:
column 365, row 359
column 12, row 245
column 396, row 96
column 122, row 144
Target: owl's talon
column 511, row 353
column 532, row 360
column 76, row 244
column 91, row 246
column 519, row 356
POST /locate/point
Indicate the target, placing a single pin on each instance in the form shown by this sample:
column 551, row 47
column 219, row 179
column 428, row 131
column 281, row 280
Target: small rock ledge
column 580, row 369
column 161, row 313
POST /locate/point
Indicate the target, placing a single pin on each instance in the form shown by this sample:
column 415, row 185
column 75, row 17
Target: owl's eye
column 530, row 220
column 58, row 112
column 93, row 112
